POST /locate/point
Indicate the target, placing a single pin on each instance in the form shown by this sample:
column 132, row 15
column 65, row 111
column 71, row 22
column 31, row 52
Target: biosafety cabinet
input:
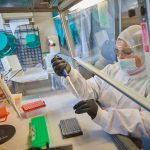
column 86, row 30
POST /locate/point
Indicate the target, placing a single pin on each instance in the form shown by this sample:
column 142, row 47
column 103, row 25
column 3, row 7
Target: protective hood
column 133, row 37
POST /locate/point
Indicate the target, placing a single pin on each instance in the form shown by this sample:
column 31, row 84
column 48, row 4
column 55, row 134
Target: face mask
column 127, row 65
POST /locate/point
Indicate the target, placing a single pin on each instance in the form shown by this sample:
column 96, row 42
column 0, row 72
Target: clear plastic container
column 17, row 98
column 33, row 113
column 33, row 109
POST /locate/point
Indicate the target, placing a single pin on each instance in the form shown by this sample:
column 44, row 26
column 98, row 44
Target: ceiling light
column 85, row 4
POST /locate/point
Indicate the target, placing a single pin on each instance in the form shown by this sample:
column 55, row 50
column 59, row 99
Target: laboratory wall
column 46, row 26
column 24, row 28
column 42, row 20
column 130, row 13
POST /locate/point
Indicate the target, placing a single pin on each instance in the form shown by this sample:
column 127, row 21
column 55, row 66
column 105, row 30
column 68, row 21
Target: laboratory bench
column 59, row 106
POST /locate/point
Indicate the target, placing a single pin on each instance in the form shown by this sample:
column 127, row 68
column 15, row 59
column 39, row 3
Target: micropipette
column 65, row 74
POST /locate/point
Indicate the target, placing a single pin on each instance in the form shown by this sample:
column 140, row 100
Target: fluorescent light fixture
column 85, row 4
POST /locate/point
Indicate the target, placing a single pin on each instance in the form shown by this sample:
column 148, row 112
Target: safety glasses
column 126, row 51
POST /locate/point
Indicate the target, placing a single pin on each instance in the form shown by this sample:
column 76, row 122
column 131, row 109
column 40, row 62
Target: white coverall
column 118, row 114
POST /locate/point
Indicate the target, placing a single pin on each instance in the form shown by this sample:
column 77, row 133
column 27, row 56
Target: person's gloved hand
column 59, row 65
column 88, row 106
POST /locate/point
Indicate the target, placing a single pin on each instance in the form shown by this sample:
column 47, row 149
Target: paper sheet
column 15, row 23
column 11, row 62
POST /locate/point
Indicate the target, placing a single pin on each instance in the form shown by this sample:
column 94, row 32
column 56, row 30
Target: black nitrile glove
column 88, row 106
column 59, row 65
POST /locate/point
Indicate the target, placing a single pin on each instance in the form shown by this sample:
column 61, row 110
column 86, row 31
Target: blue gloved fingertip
column 64, row 73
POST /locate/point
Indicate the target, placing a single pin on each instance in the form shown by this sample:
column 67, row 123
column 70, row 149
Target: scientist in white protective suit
column 116, row 114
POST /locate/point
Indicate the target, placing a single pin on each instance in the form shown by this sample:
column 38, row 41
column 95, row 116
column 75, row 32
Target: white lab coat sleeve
column 124, row 121
column 91, row 88
column 86, row 89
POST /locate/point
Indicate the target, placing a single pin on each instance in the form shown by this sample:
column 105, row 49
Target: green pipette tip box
column 39, row 132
